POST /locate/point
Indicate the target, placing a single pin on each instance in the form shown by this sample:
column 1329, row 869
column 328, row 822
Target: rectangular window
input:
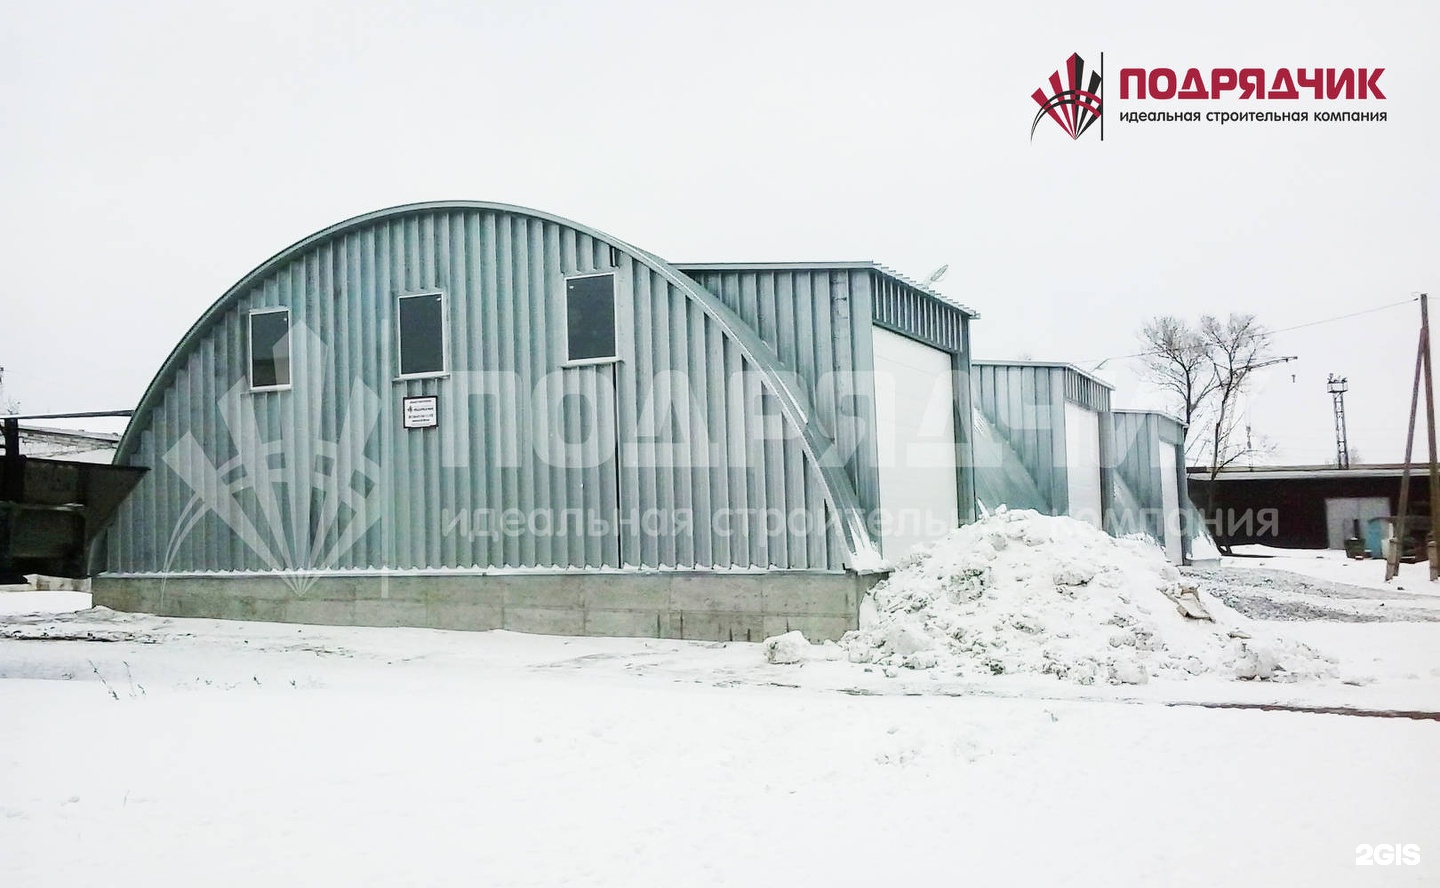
column 270, row 348
column 590, row 317
column 420, row 320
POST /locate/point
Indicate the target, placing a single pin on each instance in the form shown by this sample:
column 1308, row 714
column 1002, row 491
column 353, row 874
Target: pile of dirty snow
column 1021, row 592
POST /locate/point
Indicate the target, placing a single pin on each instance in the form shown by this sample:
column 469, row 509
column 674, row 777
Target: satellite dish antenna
column 937, row 274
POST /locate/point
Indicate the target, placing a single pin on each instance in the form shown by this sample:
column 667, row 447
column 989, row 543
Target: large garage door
column 1082, row 462
column 1343, row 512
column 1170, row 502
column 915, row 424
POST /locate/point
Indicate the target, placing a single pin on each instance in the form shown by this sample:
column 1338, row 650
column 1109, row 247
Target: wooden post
column 1434, row 547
column 1392, row 563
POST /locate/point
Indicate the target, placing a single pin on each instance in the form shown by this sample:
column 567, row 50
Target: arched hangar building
column 473, row 415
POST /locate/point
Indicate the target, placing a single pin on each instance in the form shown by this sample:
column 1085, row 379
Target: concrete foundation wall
column 690, row 605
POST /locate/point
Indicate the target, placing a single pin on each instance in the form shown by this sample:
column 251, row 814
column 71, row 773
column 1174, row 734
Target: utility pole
column 1422, row 371
column 1434, row 548
column 1338, row 386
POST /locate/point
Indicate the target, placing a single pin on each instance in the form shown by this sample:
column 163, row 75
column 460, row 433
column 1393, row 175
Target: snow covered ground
column 1331, row 564
column 20, row 600
column 140, row 750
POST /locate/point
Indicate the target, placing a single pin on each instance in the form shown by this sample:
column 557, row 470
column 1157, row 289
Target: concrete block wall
column 728, row 606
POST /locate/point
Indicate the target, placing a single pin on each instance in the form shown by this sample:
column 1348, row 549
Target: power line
column 1353, row 314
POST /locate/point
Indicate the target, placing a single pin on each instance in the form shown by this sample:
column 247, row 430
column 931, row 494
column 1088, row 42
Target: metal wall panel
column 1020, row 409
column 908, row 311
column 1021, row 406
column 1085, row 391
column 1139, row 502
column 1137, row 474
column 323, row 477
column 818, row 317
column 815, row 321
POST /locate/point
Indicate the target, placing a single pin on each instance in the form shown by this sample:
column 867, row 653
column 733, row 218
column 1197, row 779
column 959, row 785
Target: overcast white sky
column 154, row 152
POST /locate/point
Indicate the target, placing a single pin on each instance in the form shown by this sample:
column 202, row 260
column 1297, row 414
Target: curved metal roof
column 792, row 400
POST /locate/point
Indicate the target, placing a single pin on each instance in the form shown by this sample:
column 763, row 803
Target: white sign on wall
column 421, row 412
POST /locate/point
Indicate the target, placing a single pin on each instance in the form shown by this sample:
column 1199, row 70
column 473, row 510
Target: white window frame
column 250, row 350
column 444, row 338
column 614, row 320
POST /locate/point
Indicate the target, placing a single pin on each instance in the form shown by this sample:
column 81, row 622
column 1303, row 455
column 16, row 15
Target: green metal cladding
column 323, row 476
column 817, row 318
column 1139, row 499
column 1019, row 433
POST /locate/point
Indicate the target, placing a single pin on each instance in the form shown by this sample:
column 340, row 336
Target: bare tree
column 1205, row 369
column 1236, row 348
column 1178, row 362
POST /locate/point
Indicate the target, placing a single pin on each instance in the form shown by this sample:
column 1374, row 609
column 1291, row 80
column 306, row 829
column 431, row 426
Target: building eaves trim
column 1059, row 365
column 824, row 266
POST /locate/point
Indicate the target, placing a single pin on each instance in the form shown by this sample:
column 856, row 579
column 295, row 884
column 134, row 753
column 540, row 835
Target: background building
column 1307, row 507
column 70, row 444
column 56, row 498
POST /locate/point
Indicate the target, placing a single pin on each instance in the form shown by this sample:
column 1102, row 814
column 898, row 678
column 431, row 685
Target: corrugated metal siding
column 919, row 316
column 818, row 320
column 502, row 274
column 1172, row 430
column 1140, row 502
column 1088, row 393
column 1137, row 475
column 1023, row 406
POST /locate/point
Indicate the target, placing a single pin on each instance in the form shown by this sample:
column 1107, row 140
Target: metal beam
column 86, row 415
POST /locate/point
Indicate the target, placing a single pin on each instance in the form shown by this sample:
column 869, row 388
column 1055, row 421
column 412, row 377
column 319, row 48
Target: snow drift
column 1021, row 592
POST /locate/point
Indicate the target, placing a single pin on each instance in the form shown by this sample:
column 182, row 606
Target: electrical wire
column 1353, row 314
column 1271, row 333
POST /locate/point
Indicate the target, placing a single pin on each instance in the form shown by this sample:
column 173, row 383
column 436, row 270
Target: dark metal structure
column 52, row 509
column 1338, row 386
